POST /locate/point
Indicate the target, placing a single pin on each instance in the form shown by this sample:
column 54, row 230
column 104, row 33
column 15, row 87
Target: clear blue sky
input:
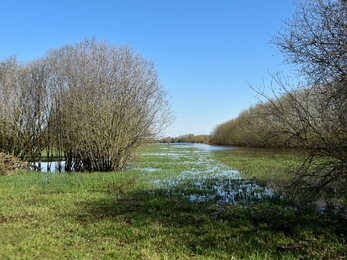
column 206, row 52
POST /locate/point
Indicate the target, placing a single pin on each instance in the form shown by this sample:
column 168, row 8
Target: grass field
column 177, row 202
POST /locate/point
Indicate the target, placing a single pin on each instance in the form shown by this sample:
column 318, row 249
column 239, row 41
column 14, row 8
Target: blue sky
column 207, row 53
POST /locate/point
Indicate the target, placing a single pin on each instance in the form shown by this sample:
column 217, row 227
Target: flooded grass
column 178, row 202
column 196, row 175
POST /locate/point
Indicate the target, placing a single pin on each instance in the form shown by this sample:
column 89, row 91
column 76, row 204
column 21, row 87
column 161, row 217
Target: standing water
column 199, row 177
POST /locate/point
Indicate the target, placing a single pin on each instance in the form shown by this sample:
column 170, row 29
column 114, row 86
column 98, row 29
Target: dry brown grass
column 9, row 164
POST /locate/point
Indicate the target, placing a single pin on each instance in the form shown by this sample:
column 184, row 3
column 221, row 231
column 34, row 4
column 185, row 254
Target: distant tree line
column 300, row 118
column 90, row 104
column 309, row 115
column 189, row 138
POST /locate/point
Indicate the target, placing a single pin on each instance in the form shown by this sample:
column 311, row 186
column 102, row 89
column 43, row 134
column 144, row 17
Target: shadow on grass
column 170, row 221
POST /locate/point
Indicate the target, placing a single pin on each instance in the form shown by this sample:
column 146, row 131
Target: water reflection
column 205, row 179
column 56, row 166
column 206, row 147
column 217, row 190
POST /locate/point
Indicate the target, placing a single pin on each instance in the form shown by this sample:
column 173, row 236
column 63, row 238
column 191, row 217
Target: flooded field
column 196, row 172
column 184, row 201
column 191, row 171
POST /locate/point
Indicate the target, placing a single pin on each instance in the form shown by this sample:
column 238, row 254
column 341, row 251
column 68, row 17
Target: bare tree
column 91, row 104
column 314, row 118
column 110, row 102
column 315, row 39
column 8, row 73
column 22, row 108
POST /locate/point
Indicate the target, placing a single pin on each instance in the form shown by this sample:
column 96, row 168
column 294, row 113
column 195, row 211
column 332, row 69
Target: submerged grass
column 171, row 205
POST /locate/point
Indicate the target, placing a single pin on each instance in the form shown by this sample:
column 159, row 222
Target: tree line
column 310, row 113
column 188, row 138
column 90, row 104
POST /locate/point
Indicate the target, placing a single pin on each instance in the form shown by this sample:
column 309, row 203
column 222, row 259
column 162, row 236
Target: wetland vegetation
column 95, row 106
column 177, row 202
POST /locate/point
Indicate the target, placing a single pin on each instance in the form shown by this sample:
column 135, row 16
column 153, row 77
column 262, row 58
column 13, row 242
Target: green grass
column 260, row 163
column 148, row 213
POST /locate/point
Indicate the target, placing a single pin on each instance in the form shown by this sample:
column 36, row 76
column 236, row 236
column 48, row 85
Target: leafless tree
column 8, row 72
column 23, row 101
column 315, row 39
column 91, row 104
column 315, row 117
column 110, row 102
